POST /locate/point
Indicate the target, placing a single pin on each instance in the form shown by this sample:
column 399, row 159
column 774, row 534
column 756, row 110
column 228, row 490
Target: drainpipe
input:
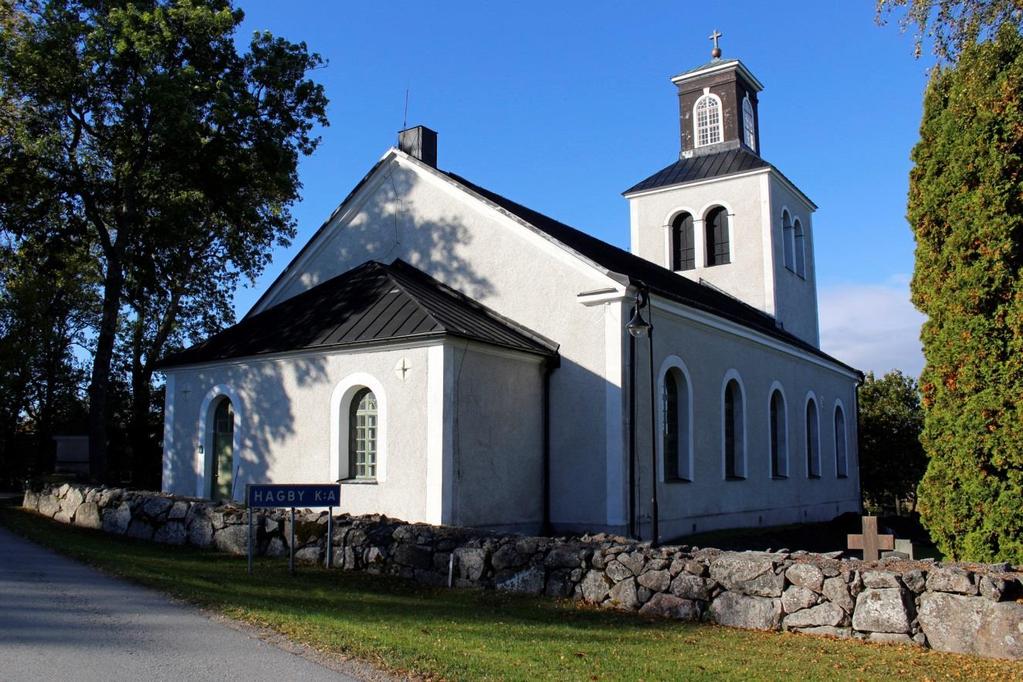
column 632, row 432
column 549, row 365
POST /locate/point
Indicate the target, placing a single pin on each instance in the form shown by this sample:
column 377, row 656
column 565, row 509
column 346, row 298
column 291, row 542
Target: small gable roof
column 373, row 303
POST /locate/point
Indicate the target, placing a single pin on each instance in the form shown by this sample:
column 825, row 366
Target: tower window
column 683, row 243
column 788, row 240
column 707, row 113
column 717, row 237
column 749, row 134
column 800, row 248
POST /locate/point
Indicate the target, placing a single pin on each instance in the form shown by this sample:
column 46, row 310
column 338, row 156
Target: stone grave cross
column 870, row 542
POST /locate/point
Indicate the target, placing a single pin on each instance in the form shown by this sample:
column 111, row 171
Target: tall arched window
column 788, row 240
column 735, row 434
column 707, row 113
column 675, row 426
column 813, row 443
column 800, row 249
column 362, row 435
column 779, row 436
column 221, row 487
column 717, row 237
column 841, row 457
column 748, row 124
column 683, row 243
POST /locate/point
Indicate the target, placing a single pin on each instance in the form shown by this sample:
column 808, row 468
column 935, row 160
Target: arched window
column 799, row 248
column 362, row 435
column 779, row 436
column 717, row 237
column 221, row 486
column 813, row 443
column 675, row 426
column 735, row 434
column 841, row 458
column 683, row 243
column 707, row 113
column 748, row 129
column 788, row 240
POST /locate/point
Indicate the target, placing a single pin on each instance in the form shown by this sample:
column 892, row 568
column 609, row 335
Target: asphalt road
column 61, row 620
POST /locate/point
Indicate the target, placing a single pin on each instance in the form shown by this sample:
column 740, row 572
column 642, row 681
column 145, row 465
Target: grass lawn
column 473, row 635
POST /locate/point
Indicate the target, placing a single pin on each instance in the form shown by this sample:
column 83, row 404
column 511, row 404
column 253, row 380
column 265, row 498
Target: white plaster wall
column 746, row 276
column 498, row 439
column 709, row 501
column 795, row 296
column 284, row 423
column 409, row 213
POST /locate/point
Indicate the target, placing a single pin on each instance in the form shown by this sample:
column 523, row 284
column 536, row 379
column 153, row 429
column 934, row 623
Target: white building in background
column 454, row 357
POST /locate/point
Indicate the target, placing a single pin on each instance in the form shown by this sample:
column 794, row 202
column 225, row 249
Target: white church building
column 453, row 357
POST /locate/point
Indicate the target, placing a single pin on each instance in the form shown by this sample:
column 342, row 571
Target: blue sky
column 561, row 106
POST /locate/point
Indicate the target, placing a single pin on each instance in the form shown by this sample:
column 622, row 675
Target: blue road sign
column 294, row 495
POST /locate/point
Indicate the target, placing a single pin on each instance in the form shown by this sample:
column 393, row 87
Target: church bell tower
column 723, row 216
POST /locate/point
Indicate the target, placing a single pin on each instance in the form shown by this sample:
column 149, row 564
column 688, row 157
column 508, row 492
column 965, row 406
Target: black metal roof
column 658, row 279
column 701, row 167
column 370, row 304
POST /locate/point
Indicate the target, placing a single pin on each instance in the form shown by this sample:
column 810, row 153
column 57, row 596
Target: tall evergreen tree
column 966, row 210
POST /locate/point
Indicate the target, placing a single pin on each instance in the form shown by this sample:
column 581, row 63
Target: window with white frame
column 362, row 435
column 813, row 447
column 683, row 243
column 707, row 113
column 841, row 457
column 800, row 246
column 734, row 417
column 675, row 426
column 779, row 436
column 748, row 130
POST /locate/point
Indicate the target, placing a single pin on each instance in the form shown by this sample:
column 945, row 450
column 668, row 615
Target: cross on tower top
column 716, row 52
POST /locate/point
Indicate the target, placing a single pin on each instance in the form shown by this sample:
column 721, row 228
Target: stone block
column 470, row 562
column 837, row 592
column 880, row 580
column 952, row 579
column 595, row 587
column 48, row 505
column 881, row 610
column 827, row 631
column 688, row 586
column 634, row 561
column 414, row 556
column 156, row 508
column 993, row 587
column 309, row 555
column 171, row 533
column 750, row 573
column 178, row 510
column 88, row 516
column 743, row 611
column 232, row 539
column 624, row 596
column 277, row 548
column 822, row 615
column 30, row 501
column 508, row 556
column 806, row 575
column 200, row 532
column 617, row 571
column 116, row 520
column 797, row 598
column 669, row 606
column 655, row 581
column 528, row 581
column 559, row 583
column 916, row 580
column 563, row 557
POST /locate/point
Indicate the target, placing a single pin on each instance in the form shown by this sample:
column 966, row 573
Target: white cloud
column 872, row 327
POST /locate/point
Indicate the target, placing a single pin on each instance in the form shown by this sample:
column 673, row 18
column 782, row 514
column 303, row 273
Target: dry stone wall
column 961, row 608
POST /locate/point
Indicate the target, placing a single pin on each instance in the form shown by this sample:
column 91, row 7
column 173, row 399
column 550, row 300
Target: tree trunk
column 99, row 386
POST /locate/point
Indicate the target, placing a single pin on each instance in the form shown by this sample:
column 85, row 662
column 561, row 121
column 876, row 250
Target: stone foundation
column 963, row 608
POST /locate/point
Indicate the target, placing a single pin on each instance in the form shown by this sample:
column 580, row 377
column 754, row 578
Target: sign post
column 262, row 496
